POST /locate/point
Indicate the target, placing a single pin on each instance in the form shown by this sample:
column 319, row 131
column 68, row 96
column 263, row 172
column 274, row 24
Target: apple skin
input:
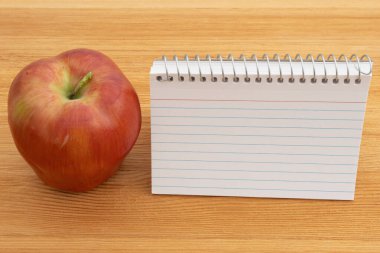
column 73, row 144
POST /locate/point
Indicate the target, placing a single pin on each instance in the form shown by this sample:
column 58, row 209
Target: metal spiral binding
column 265, row 58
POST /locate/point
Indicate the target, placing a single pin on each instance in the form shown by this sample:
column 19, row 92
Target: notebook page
column 283, row 140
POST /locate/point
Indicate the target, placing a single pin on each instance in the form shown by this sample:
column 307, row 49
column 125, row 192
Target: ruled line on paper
column 248, row 153
column 255, row 144
column 263, row 127
column 263, row 101
column 258, row 180
column 254, row 162
column 260, row 171
column 251, row 109
column 232, row 117
column 259, row 135
column 243, row 188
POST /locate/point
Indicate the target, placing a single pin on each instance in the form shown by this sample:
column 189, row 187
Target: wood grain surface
column 122, row 215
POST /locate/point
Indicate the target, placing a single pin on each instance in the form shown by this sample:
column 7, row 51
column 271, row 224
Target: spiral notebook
column 270, row 127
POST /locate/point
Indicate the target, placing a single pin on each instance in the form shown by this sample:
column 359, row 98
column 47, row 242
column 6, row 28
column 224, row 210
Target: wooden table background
column 122, row 215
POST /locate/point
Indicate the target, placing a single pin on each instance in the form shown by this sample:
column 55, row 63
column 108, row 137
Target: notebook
column 280, row 127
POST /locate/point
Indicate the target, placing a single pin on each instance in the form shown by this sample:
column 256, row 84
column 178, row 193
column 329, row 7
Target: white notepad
column 263, row 128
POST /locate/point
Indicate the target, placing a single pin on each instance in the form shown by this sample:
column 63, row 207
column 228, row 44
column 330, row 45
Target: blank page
column 241, row 137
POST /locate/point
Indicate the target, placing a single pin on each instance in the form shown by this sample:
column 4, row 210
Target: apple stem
column 80, row 85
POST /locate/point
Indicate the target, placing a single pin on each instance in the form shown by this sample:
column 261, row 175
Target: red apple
column 73, row 117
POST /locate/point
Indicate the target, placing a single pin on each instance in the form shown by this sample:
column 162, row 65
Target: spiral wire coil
column 265, row 58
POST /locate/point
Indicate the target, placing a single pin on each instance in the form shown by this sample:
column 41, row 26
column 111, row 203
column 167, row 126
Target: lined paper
column 288, row 140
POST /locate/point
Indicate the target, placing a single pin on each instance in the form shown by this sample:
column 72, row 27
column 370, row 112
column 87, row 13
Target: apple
column 73, row 117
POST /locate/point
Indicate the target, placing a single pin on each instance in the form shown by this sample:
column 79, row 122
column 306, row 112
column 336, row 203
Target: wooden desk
column 122, row 215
